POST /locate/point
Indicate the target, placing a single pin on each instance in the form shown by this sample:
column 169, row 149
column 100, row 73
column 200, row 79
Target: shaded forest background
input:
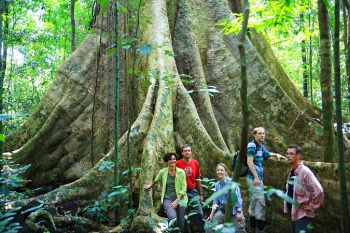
column 179, row 82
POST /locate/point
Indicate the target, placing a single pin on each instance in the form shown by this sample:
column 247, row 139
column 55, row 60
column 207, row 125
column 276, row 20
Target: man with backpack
column 255, row 175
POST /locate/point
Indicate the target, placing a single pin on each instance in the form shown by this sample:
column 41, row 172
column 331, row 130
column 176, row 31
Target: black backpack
column 245, row 165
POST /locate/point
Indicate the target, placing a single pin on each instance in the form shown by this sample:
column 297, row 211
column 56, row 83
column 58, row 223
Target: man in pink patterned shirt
column 305, row 189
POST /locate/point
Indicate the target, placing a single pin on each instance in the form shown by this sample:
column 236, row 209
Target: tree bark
column 339, row 117
column 245, row 111
column 346, row 39
column 326, row 83
column 72, row 22
column 57, row 140
column 4, row 32
column 304, row 61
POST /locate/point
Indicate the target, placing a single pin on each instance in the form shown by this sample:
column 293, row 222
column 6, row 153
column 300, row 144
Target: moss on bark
column 58, row 139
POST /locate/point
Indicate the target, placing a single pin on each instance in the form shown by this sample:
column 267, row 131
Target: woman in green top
column 174, row 197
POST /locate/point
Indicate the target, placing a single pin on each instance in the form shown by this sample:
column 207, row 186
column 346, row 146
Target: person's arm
column 315, row 190
column 182, row 191
column 200, row 189
column 278, row 156
column 215, row 204
column 175, row 203
column 155, row 181
column 239, row 205
column 250, row 163
column 213, row 210
column 199, row 182
column 149, row 186
column 183, row 185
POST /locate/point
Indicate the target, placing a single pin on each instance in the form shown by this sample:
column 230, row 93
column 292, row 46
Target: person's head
column 170, row 158
column 259, row 134
column 221, row 171
column 186, row 151
column 294, row 155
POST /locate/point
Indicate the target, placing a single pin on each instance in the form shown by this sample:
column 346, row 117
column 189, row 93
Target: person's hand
column 280, row 156
column 146, row 187
column 257, row 182
column 239, row 216
column 201, row 197
column 174, row 204
column 306, row 206
column 210, row 217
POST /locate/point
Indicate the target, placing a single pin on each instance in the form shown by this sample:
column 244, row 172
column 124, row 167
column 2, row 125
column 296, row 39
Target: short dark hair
column 186, row 145
column 297, row 148
column 167, row 156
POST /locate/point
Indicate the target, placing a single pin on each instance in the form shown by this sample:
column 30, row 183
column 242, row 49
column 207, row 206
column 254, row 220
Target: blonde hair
column 222, row 165
column 255, row 131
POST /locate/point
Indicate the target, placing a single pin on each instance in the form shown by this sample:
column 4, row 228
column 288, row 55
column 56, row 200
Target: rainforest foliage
column 94, row 92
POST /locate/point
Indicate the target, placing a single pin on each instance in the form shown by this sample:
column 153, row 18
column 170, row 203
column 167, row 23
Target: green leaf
column 125, row 172
column 169, row 53
column 4, row 190
column 169, row 83
column 2, row 137
column 146, row 84
column 111, row 52
column 126, row 47
column 146, row 49
column 122, row 9
column 102, row 2
column 326, row 2
column 104, row 9
column 185, row 81
column 143, row 25
column 287, row 198
column 219, row 193
column 32, row 209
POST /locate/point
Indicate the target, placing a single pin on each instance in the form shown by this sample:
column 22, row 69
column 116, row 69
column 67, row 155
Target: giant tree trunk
column 58, row 139
column 326, row 82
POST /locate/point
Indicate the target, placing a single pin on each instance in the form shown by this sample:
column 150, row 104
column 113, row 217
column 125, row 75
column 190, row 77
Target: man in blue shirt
column 255, row 155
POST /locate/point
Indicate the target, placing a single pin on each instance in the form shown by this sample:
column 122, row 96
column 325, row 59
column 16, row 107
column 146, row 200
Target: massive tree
column 70, row 134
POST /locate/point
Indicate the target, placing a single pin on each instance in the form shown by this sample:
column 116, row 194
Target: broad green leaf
column 216, row 194
column 328, row 5
column 169, row 83
column 169, row 53
column 102, row 2
column 122, row 9
column 104, row 9
column 32, row 209
column 111, row 52
column 126, row 47
column 212, row 90
column 2, row 137
column 186, row 81
column 146, row 49
column 4, row 190
column 125, row 172
column 135, row 71
column 143, row 25
column 287, row 198
column 145, row 84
